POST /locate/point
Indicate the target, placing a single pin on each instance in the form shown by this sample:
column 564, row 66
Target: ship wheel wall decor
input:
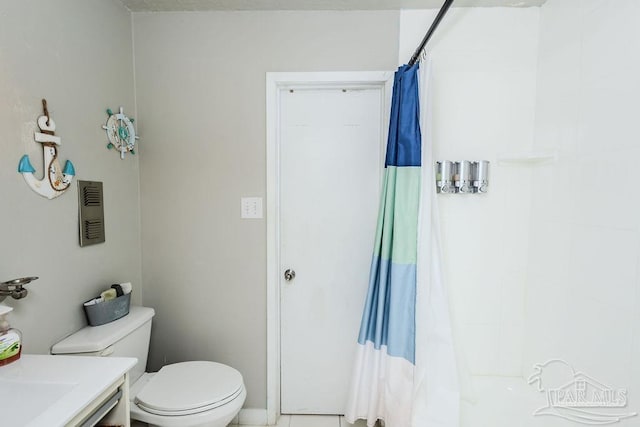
column 55, row 180
column 120, row 132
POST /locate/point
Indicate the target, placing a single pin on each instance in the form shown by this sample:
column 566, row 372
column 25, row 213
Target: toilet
column 185, row 394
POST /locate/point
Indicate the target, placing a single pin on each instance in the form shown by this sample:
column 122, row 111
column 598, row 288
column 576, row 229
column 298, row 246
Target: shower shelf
column 530, row 158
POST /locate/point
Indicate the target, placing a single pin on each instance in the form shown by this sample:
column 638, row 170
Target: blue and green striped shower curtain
column 405, row 370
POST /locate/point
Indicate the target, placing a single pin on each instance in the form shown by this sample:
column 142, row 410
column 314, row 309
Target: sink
column 28, row 399
column 45, row 390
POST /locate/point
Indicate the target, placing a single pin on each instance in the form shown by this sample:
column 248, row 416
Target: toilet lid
column 190, row 387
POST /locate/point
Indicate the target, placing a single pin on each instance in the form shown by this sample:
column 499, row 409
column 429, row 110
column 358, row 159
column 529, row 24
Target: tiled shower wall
column 484, row 66
column 582, row 299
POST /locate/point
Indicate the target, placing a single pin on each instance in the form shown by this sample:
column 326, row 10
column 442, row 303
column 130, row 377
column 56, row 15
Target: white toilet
column 186, row 394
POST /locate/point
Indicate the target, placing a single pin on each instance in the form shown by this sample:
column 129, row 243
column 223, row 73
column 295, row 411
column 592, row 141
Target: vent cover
column 91, row 211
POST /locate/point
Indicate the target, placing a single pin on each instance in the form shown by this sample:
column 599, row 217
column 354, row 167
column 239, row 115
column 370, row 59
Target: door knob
column 289, row 275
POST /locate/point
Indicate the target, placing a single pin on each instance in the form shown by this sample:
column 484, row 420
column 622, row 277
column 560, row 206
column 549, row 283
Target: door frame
column 275, row 83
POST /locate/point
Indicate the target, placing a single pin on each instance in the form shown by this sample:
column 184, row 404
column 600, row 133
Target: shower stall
column 542, row 270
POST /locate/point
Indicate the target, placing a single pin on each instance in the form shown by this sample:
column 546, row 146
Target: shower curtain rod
column 432, row 29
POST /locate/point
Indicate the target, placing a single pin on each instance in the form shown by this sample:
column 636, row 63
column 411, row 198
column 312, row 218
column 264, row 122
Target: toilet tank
column 126, row 337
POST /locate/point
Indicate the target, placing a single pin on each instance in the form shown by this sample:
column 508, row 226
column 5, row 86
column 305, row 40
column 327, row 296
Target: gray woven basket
column 108, row 311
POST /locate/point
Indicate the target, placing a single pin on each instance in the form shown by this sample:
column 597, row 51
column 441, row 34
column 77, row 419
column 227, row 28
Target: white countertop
column 44, row 390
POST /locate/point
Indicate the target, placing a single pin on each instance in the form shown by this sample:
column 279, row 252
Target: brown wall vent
column 91, row 212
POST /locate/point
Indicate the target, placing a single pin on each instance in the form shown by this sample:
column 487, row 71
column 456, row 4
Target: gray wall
column 78, row 55
column 200, row 82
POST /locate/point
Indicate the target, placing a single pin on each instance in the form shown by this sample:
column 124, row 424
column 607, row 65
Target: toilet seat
column 188, row 388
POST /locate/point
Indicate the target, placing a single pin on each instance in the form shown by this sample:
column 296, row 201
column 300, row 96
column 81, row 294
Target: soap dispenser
column 10, row 339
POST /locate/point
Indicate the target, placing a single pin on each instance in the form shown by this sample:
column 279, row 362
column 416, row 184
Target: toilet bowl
column 203, row 394
column 185, row 394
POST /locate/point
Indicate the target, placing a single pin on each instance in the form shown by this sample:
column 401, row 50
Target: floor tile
column 314, row 421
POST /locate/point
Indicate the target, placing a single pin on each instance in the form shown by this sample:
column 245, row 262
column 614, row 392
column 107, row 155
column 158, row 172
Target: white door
column 331, row 157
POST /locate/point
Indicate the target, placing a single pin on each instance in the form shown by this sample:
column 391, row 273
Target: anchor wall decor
column 55, row 180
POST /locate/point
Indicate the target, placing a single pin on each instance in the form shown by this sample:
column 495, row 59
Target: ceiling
column 200, row 5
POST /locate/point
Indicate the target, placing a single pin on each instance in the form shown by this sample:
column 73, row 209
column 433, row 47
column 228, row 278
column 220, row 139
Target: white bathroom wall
column 484, row 63
column 582, row 296
column 78, row 55
column 200, row 80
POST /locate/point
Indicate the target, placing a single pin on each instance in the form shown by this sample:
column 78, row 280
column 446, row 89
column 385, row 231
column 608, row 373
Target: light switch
column 251, row 207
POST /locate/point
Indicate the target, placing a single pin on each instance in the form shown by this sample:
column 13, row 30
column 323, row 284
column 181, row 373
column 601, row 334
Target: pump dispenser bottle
column 10, row 339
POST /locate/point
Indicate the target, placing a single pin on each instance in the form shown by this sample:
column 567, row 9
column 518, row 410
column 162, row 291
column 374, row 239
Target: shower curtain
column 405, row 367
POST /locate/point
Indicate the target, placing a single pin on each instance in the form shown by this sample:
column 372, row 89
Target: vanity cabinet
column 111, row 408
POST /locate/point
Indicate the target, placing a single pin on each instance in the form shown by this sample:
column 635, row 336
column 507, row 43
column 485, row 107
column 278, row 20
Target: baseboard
column 251, row 417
